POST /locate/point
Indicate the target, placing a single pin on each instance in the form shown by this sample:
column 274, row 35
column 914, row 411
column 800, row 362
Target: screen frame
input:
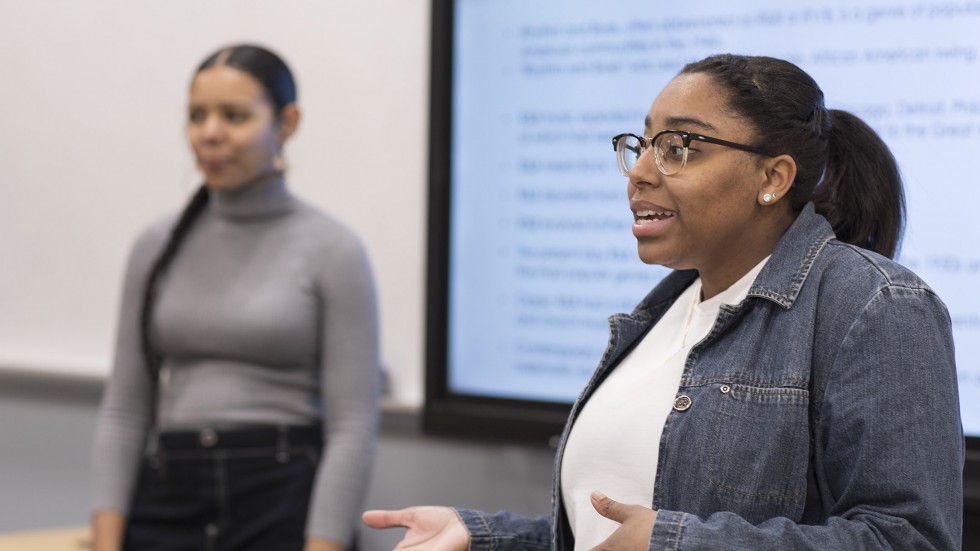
column 446, row 413
column 971, row 478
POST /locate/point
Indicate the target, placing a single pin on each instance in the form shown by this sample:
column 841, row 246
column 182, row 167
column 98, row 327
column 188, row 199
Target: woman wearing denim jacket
column 787, row 386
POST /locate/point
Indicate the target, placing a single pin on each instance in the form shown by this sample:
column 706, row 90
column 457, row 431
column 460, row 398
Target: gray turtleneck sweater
column 267, row 315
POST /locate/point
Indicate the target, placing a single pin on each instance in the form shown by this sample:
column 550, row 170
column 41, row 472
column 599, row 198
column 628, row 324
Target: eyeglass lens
column 668, row 149
column 629, row 150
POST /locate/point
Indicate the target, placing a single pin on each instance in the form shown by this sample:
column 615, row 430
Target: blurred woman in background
column 241, row 412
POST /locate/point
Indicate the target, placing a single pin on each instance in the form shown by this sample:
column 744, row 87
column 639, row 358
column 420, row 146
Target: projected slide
column 541, row 248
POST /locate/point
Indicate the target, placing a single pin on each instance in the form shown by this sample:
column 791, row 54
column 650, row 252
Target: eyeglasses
column 669, row 147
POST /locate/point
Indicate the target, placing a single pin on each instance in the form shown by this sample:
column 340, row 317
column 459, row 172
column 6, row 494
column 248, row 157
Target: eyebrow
column 221, row 105
column 681, row 122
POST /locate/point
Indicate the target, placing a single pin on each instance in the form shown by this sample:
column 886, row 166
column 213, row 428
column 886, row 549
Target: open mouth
column 643, row 217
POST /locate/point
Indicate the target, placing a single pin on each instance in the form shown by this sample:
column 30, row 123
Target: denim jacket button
column 682, row 403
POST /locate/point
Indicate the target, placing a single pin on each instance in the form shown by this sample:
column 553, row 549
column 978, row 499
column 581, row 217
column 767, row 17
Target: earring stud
column 768, row 197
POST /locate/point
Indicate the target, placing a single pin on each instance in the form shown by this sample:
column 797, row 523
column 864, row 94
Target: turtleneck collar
column 263, row 198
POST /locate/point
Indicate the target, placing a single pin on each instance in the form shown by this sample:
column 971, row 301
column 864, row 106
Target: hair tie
column 819, row 120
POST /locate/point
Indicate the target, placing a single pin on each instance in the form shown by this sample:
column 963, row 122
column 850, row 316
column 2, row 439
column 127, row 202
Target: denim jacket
column 820, row 413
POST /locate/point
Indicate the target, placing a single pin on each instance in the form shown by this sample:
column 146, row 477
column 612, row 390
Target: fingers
column 387, row 519
column 609, row 508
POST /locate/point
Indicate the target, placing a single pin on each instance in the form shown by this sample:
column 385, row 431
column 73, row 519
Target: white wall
column 92, row 104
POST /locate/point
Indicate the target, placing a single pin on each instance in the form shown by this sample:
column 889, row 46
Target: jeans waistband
column 282, row 437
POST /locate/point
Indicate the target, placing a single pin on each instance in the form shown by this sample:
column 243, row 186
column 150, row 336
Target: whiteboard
column 92, row 106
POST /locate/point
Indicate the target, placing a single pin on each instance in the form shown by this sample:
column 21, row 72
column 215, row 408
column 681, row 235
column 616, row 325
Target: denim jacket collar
column 780, row 280
column 783, row 276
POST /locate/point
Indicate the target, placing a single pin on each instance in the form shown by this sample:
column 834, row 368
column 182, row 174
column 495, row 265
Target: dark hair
column 187, row 217
column 843, row 166
column 277, row 82
column 264, row 66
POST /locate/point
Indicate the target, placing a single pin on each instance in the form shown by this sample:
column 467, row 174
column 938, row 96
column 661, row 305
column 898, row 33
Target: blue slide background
column 541, row 249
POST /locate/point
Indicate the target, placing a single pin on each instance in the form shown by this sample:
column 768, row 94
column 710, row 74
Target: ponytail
column 191, row 212
column 861, row 191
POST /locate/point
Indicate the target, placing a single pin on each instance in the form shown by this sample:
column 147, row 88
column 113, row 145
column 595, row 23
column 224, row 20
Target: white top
column 614, row 445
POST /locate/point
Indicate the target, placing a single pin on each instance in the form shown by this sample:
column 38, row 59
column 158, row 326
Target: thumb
column 609, row 508
column 386, row 519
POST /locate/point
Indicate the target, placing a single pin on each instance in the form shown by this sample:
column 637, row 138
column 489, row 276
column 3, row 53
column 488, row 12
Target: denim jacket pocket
column 761, row 440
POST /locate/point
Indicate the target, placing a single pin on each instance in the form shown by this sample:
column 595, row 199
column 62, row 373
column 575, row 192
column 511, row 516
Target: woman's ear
column 780, row 173
column 288, row 122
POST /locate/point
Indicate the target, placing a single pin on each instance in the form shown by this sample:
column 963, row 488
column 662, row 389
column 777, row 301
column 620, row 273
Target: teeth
column 644, row 217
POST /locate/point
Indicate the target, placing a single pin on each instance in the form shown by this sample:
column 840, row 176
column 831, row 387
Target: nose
column 212, row 129
column 645, row 171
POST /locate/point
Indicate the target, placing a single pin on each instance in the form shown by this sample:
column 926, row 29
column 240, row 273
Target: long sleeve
column 506, row 531
column 266, row 315
column 888, row 445
column 125, row 413
column 350, row 379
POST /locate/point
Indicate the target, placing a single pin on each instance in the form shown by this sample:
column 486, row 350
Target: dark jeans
column 237, row 490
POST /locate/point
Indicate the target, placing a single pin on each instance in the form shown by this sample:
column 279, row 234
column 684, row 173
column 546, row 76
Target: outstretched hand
column 429, row 528
column 636, row 524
